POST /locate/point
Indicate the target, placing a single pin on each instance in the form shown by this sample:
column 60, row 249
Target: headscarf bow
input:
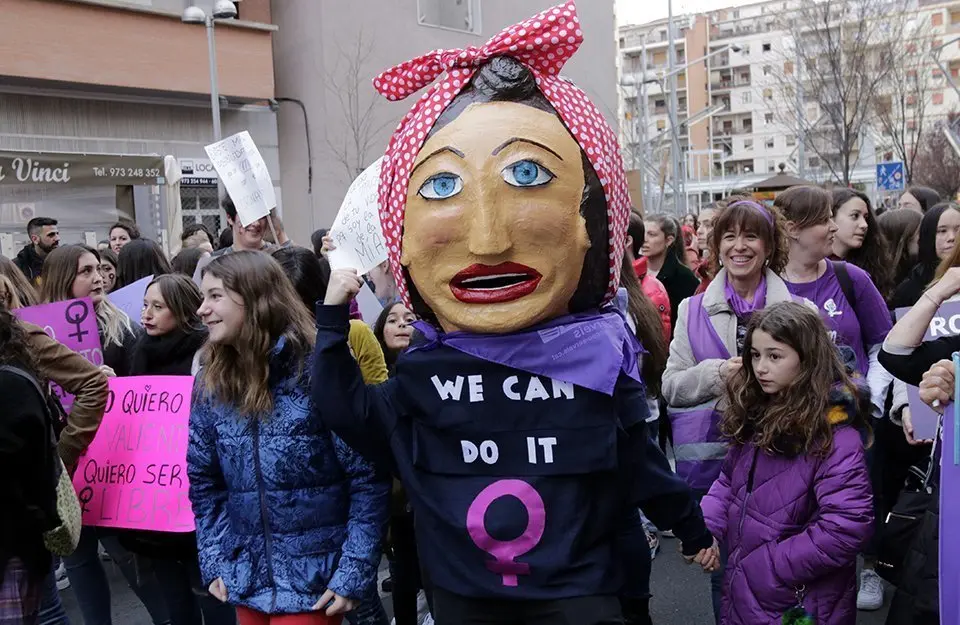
column 542, row 43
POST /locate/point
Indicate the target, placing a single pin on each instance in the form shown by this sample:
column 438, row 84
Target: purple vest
column 697, row 443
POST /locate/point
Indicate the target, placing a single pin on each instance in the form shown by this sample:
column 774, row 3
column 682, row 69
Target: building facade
column 327, row 54
column 747, row 135
column 98, row 79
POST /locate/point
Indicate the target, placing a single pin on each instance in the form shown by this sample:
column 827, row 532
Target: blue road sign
column 890, row 177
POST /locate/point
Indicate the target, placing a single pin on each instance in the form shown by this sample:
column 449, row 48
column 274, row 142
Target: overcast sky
column 642, row 11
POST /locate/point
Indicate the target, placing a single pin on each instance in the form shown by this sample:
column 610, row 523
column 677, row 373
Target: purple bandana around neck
column 741, row 307
column 586, row 349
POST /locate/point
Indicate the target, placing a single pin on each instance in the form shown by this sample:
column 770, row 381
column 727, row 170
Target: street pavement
column 681, row 596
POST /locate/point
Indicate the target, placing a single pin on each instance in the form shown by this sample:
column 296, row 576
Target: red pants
column 247, row 616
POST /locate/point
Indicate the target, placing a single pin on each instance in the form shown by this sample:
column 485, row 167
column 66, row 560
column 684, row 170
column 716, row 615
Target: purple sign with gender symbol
column 505, row 553
column 74, row 324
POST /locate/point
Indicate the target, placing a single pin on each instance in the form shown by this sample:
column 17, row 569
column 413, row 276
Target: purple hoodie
column 801, row 525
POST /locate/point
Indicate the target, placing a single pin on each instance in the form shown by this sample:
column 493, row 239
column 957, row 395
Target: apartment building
column 748, row 135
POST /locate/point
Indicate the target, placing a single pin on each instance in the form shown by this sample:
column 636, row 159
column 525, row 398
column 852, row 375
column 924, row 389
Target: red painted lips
column 486, row 284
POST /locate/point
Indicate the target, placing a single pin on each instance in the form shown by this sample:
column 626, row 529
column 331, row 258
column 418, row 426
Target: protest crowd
column 553, row 388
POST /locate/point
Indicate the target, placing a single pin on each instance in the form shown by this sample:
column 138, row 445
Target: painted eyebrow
column 513, row 140
column 446, row 148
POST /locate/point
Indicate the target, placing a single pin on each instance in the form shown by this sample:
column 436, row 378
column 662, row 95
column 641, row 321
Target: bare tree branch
column 844, row 52
column 901, row 108
column 352, row 141
column 937, row 165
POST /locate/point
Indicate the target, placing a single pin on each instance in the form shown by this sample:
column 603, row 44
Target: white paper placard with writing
column 244, row 174
column 356, row 231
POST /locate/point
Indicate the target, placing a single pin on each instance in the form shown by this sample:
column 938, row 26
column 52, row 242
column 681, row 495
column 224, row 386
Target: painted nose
column 489, row 233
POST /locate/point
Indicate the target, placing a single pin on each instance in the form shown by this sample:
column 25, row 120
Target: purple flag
column 586, row 349
column 950, row 514
column 74, row 324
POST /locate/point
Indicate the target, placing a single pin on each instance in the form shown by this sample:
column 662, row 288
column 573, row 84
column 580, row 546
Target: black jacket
column 911, row 368
column 680, row 283
column 909, row 291
column 118, row 357
column 170, row 354
column 27, row 475
column 30, row 263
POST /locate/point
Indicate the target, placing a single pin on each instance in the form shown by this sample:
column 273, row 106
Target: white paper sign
column 370, row 307
column 243, row 172
column 356, row 230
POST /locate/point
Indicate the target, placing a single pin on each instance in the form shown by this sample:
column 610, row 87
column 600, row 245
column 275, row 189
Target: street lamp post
column 222, row 9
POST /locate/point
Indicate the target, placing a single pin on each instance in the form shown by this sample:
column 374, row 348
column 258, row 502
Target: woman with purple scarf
column 748, row 246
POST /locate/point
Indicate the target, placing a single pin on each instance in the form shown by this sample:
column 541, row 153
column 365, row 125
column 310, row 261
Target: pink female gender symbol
column 506, row 552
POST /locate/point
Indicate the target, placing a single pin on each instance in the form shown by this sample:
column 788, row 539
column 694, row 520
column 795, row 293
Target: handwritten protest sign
column 356, row 230
column 245, row 175
column 129, row 299
column 945, row 323
column 134, row 474
column 74, row 324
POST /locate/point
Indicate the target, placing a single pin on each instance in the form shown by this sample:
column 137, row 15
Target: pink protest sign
column 74, row 324
column 134, row 474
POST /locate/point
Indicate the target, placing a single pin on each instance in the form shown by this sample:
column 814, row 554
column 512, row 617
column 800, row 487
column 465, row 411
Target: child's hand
column 709, row 559
column 334, row 603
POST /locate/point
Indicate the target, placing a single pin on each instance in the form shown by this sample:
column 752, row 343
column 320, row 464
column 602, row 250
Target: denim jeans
column 89, row 580
column 51, row 610
column 188, row 601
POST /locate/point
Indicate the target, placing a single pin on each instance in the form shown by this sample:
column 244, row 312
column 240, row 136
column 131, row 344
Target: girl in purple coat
column 793, row 502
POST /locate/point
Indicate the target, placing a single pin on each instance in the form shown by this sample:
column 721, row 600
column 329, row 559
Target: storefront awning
column 66, row 169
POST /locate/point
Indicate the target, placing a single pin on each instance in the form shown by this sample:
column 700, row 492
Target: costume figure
column 516, row 420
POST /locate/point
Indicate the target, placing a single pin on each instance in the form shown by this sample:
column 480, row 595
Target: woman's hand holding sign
column 936, row 389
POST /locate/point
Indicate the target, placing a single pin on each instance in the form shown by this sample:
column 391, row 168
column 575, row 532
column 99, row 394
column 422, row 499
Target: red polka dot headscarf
column 542, row 44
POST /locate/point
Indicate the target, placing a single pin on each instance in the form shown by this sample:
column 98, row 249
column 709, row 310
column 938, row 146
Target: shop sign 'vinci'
column 64, row 169
column 29, row 170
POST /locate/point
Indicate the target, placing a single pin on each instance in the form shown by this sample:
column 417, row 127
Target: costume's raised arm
column 363, row 416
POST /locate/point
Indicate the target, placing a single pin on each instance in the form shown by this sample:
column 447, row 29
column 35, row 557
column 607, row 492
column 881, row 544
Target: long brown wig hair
column 794, row 421
column 59, row 274
column 238, row 373
column 25, row 292
column 649, row 327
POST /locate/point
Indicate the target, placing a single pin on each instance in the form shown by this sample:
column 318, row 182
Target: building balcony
column 133, row 49
column 729, row 83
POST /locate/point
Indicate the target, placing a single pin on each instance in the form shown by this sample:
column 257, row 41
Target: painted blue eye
column 526, row 174
column 441, row 187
